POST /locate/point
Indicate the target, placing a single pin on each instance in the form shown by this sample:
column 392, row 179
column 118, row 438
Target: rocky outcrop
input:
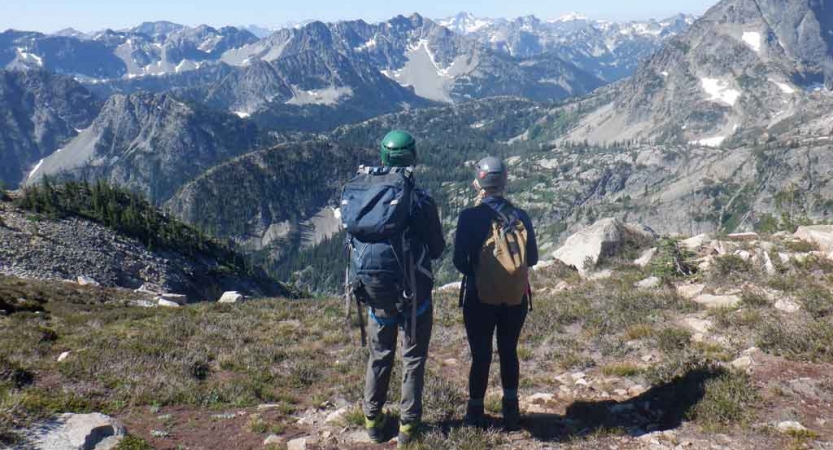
column 231, row 297
column 39, row 112
column 821, row 235
column 604, row 238
column 76, row 432
column 152, row 143
column 74, row 248
column 744, row 69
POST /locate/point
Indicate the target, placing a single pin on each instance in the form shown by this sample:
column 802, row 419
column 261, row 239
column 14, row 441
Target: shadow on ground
column 661, row 408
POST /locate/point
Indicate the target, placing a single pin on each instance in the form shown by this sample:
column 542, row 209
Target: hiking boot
column 376, row 428
column 511, row 415
column 475, row 417
column 407, row 434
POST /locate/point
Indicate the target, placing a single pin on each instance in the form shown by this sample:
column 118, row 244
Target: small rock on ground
column 649, row 283
column 274, row 439
column 717, row 301
column 789, row 426
column 690, row 291
column 787, row 305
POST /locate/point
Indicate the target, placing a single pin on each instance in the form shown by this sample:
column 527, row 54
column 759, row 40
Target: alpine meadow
column 569, row 231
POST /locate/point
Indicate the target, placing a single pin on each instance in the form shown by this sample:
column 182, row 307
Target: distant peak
column 570, row 17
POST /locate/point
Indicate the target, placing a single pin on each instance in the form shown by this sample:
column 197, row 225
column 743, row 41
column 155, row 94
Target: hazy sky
column 91, row 15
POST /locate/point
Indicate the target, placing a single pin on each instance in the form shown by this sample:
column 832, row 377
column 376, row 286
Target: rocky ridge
column 744, row 71
column 77, row 250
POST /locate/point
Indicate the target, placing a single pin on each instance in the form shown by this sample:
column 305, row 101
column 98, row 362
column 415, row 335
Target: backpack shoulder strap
column 506, row 219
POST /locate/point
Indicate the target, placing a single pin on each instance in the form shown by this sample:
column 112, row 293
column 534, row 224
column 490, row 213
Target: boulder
column 231, row 297
column 337, row 416
column 646, row 257
column 818, row 234
column 742, row 363
column 604, row 238
column 94, row 431
column 167, row 303
column 787, row 305
column 275, row 440
column 649, row 283
column 743, row 237
column 179, row 299
column 695, row 243
column 717, row 301
column 302, row 443
column 689, row 291
column 790, row 426
column 699, row 325
column 87, row 281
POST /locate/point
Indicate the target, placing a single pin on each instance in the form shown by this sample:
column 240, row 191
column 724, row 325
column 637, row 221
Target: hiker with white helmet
column 494, row 248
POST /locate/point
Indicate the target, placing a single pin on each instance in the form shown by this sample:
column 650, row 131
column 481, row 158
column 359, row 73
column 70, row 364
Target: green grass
column 754, row 299
column 805, row 341
column 133, row 443
column 622, row 370
column 672, row 340
column 730, row 400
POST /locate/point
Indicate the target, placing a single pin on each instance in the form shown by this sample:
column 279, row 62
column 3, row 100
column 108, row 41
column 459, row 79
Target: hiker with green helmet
column 393, row 233
column 494, row 248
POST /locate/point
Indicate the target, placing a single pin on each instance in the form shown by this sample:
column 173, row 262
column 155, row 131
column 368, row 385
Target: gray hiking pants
column 382, row 332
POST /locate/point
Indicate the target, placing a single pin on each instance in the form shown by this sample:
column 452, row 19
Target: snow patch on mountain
column 329, row 96
column 785, row 88
column 719, row 91
column 569, row 17
column 715, row 142
column 753, row 39
column 465, row 23
column 28, row 58
column 35, row 169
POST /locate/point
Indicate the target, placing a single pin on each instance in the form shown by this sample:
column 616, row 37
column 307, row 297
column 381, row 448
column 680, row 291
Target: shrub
column 817, row 300
column 670, row 262
column 730, row 399
column 671, row 340
column 801, row 246
column 754, row 299
column 622, row 370
column 133, row 443
column 731, row 265
column 810, row 341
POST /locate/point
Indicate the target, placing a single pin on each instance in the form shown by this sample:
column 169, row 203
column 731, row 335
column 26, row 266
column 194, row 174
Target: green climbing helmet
column 398, row 149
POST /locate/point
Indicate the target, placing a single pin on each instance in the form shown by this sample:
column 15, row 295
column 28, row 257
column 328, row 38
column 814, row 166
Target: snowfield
column 785, row 88
column 753, row 39
column 710, row 142
column 719, row 91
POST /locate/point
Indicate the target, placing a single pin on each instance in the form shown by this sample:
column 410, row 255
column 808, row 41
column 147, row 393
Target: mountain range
column 720, row 128
column 747, row 70
column 310, row 77
column 609, row 50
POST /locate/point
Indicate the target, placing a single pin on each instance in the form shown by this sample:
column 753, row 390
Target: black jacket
column 429, row 235
column 473, row 229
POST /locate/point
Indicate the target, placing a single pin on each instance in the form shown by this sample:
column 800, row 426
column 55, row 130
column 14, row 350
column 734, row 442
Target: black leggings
column 481, row 322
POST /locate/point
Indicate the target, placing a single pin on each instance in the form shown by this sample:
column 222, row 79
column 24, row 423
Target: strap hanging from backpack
column 412, row 295
column 462, row 300
column 349, row 296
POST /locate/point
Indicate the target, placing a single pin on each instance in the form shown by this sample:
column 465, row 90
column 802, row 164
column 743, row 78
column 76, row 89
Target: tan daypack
column 501, row 273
